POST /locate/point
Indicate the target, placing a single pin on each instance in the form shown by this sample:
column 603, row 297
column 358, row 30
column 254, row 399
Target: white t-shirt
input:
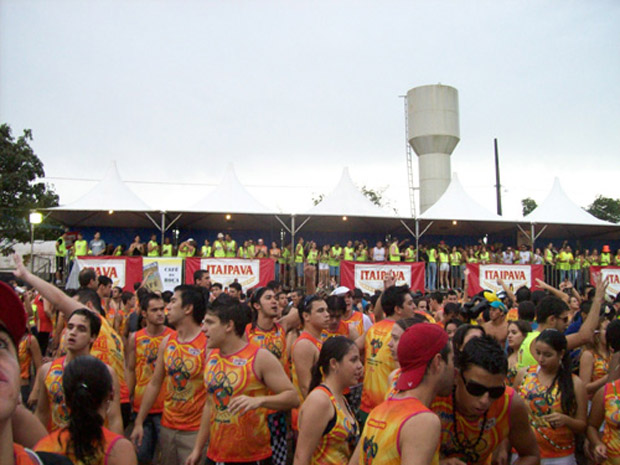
column 524, row 256
column 378, row 255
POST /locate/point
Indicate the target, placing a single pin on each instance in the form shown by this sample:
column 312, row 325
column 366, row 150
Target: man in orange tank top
column 483, row 418
column 243, row 382
column 403, row 429
column 82, row 330
column 180, row 364
column 142, row 352
column 397, row 303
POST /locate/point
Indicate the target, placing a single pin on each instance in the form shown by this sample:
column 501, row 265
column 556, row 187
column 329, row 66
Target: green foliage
column 605, row 208
column 20, row 193
column 529, row 205
column 317, row 199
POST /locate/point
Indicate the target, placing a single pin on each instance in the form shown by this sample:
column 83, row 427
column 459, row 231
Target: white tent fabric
column 230, row 196
column 456, row 204
column 110, row 194
column 557, row 208
column 347, row 200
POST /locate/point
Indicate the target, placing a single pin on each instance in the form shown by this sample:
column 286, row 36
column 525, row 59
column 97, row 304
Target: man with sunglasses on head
column 483, row 417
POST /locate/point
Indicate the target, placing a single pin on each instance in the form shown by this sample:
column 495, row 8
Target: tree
column 20, row 193
column 374, row 195
column 529, row 205
column 605, row 208
column 318, row 199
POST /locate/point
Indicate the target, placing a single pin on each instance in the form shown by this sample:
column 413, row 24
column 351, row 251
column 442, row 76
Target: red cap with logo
column 417, row 346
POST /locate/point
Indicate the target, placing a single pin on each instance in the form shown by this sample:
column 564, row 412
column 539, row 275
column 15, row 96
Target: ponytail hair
column 333, row 348
column 255, row 300
column 87, row 384
column 557, row 341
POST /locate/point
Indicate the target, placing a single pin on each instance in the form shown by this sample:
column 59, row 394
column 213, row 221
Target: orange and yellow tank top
column 147, row 347
column 378, row 365
column 274, row 340
column 392, row 387
column 59, row 413
column 318, row 344
column 57, row 443
column 184, row 363
column 336, row 445
column 456, row 434
column 108, row 347
column 226, row 377
column 611, row 430
column 357, row 320
column 25, row 357
column 110, row 315
column 23, row 456
column 601, row 366
column 381, row 437
column 343, row 330
column 541, row 401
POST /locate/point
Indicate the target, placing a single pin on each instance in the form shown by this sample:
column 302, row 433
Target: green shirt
column 155, row 251
column 80, row 248
column 335, row 252
column 166, row 250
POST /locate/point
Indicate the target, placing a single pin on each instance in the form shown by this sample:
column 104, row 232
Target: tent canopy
column 109, row 203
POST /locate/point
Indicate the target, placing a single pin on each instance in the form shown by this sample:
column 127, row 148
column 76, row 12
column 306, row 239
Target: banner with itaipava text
column 484, row 277
column 612, row 273
column 123, row 271
column 248, row 273
column 162, row 273
column 369, row 276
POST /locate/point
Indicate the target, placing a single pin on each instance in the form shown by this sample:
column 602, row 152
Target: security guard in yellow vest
column 166, row 248
column 394, row 251
column 205, row 250
column 152, row 247
column 219, row 248
column 605, row 259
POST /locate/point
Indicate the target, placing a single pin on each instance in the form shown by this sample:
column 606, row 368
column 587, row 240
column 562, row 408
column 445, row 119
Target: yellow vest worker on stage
column 243, row 381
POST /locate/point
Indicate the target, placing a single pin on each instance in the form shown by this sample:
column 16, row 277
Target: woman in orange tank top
column 556, row 399
column 328, row 430
column 88, row 390
column 594, row 361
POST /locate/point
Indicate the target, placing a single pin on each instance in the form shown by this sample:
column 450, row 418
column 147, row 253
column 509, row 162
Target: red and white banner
column 369, row 276
column 123, row 271
column 484, row 277
column 612, row 273
column 248, row 273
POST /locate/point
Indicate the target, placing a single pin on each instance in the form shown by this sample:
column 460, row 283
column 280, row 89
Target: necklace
column 464, row 446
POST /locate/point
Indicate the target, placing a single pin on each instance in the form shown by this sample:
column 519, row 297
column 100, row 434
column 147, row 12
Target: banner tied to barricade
column 611, row 273
column 369, row 276
column 162, row 273
column 248, row 273
column 487, row 277
column 123, row 271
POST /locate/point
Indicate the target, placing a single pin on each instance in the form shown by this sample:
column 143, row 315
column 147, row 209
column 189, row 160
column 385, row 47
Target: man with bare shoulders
column 497, row 326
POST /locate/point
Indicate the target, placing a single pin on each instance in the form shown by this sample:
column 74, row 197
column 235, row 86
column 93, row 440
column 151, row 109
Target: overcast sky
column 292, row 92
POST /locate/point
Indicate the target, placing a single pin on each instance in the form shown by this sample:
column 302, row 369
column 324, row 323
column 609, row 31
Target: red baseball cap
column 417, row 346
column 12, row 313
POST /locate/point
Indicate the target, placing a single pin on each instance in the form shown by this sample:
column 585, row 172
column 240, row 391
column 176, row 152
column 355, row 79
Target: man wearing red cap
column 403, row 429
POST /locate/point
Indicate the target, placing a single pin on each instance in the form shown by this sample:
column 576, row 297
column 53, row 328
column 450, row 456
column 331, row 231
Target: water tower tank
column 433, row 119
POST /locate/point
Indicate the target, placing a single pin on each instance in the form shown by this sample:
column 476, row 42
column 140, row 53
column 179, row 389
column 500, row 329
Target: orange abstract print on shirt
column 58, row 442
column 611, row 430
column 59, row 417
column 357, row 322
column 336, row 447
column 378, row 365
column 226, row 377
column 542, row 401
column 496, row 426
column 146, row 348
column 108, row 347
column 184, row 363
column 380, row 441
column 25, row 357
column 273, row 340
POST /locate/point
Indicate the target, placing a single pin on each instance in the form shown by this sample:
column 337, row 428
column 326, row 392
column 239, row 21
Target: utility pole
column 498, row 186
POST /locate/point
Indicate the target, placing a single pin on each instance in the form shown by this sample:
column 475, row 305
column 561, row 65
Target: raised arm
column 556, row 292
column 586, row 332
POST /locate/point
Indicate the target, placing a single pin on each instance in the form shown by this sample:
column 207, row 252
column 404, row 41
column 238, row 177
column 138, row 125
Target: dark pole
column 498, row 186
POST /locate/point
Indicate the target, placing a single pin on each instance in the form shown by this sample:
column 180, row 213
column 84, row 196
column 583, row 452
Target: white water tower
column 433, row 129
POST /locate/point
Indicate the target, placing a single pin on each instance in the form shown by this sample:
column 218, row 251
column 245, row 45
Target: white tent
column 347, row 200
column 557, row 208
column 230, row 196
column 109, row 203
column 457, row 204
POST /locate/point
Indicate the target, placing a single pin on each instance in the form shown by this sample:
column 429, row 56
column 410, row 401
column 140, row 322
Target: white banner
column 613, row 275
column 113, row 269
column 369, row 278
column 225, row 272
column 162, row 273
column 515, row 276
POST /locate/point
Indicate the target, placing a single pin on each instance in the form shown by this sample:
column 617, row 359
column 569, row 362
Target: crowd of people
column 215, row 375
column 444, row 264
